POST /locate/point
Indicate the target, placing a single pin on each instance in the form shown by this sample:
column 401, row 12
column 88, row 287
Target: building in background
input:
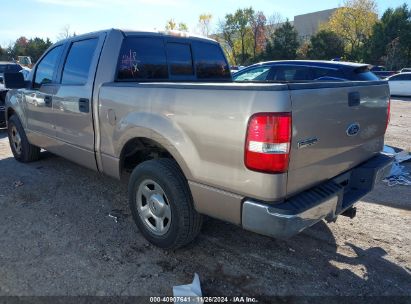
column 308, row 24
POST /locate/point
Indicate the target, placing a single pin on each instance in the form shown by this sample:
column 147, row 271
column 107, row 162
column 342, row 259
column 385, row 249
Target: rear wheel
column 22, row 150
column 161, row 204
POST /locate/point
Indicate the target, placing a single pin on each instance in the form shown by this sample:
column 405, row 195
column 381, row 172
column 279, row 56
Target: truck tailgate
column 335, row 127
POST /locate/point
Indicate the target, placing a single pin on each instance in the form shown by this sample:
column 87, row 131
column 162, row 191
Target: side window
column 284, row 73
column 324, row 73
column 210, row 62
column 46, row 67
column 255, row 74
column 293, row 73
column 142, row 59
column 180, row 59
column 77, row 66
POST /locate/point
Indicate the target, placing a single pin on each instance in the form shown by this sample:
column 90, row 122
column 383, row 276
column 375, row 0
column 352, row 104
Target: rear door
column 72, row 100
column 336, row 126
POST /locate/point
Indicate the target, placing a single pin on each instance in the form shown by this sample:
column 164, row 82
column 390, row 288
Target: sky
column 47, row 18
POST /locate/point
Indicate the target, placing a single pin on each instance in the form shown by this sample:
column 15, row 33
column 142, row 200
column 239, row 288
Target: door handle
column 48, row 101
column 84, row 105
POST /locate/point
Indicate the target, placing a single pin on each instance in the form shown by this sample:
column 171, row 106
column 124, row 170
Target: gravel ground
column 57, row 238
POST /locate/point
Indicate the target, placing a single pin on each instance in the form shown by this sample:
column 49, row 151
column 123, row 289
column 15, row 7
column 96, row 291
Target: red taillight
column 267, row 146
column 388, row 114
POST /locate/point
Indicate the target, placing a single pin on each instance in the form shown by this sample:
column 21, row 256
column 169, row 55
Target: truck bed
column 205, row 125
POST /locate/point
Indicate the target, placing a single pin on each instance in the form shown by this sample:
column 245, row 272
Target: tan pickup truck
column 161, row 111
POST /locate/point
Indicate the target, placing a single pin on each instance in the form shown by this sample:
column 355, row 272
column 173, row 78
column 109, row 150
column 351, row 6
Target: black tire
column 26, row 152
column 185, row 222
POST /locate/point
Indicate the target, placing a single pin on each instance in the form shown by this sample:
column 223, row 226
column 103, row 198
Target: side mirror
column 14, row 81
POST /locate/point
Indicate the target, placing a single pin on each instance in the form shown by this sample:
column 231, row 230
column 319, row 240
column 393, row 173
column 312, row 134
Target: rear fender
column 160, row 130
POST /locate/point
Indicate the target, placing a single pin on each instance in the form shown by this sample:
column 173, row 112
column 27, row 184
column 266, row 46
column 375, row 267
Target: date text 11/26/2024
column 238, row 299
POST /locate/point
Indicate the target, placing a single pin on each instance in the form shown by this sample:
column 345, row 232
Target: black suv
column 305, row 70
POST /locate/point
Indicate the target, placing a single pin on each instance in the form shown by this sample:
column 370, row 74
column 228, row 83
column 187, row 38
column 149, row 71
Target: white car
column 400, row 84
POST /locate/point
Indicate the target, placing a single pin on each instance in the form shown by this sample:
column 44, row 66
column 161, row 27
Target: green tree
column 171, row 25
column 204, row 21
column 227, row 38
column 390, row 42
column 241, row 22
column 303, row 50
column 353, row 23
column 19, row 48
column 283, row 44
column 258, row 25
column 36, row 47
column 3, row 53
column 237, row 26
column 325, row 45
column 183, row 27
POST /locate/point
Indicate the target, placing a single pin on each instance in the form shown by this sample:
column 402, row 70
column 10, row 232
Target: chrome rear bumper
column 325, row 201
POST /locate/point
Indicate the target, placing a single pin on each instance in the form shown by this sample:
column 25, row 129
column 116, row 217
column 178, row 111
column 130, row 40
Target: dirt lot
column 56, row 238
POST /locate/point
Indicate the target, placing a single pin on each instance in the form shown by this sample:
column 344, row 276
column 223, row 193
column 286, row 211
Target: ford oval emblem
column 353, row 129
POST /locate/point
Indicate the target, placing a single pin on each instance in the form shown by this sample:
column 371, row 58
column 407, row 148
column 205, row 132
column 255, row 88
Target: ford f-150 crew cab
column 161, row 111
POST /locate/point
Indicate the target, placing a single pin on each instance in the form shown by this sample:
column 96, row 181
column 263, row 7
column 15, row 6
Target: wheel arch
column 139, row 149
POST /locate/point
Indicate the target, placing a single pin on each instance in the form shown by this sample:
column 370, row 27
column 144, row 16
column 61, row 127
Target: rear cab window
column 180, row 59
column 166, row 58
column 142, row 59
column 210, row 62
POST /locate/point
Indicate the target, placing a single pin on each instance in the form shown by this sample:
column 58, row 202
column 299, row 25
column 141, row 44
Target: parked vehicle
column 384, row 74
column 25, row 61
column 9, row 67
column 305, row 70
column 162, row 112
column 405, row 70
column 400, row 84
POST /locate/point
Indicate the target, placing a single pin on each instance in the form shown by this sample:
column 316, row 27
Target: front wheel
column 22, row 150
column 161, row 204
